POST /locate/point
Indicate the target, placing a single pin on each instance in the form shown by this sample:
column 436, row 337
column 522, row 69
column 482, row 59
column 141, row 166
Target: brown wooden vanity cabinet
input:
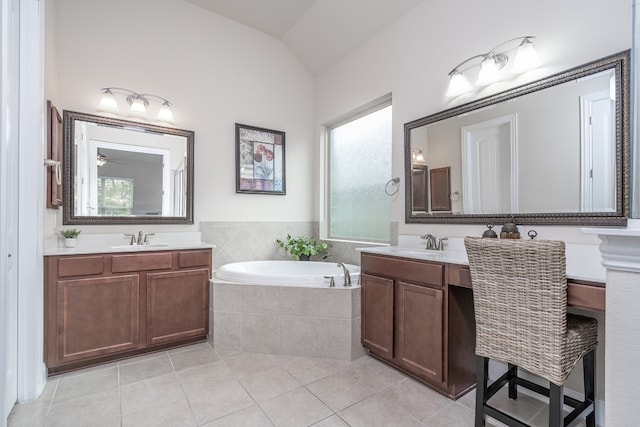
column 105, row 306
column 412, row 320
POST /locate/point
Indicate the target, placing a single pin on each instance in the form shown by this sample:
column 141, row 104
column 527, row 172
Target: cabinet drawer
column 194, row 259
column 140, row 262
column 403, row 269
column 70, row 266
column 460, row 275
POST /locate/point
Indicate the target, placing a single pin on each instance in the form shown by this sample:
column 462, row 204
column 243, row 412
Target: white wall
column 412, row 59
column 214, row 71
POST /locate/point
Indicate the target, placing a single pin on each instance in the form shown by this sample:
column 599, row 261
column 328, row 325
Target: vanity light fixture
column 138, row 103
column 101, row 159
column 492, row 65
column 417, row 155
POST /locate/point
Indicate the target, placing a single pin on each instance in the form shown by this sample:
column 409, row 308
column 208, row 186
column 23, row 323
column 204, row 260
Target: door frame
column 469, row 161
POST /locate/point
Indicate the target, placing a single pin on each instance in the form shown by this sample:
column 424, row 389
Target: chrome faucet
column 141, row 238
column 433, row 243
column 347, row 275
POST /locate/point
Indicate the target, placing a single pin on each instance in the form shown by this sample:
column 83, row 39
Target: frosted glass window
column 359, row 167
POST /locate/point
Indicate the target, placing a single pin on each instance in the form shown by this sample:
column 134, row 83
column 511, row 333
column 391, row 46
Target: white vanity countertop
column 117, row 243
column 583, row 261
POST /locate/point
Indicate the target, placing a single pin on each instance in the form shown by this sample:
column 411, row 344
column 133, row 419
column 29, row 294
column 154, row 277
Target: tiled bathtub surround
column 297, row 321
column 249, row 241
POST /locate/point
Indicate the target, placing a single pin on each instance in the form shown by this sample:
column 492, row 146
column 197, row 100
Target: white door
column 489, row 166
column 9, row 82
column 598, row 153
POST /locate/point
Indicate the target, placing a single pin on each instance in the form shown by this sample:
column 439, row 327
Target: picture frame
column 260, row 160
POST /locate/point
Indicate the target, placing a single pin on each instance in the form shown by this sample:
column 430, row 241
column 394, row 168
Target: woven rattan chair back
column 520, row 299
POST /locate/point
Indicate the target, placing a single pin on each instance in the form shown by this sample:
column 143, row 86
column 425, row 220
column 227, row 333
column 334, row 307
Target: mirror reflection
column 550, row 151
column 126, row 172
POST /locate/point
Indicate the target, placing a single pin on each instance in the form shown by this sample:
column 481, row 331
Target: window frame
column 325, row 222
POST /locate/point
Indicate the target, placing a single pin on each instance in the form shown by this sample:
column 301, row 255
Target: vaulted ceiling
column 318, row 32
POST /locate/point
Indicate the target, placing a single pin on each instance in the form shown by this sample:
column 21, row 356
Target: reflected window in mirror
column 553, row 151
column 122, row 172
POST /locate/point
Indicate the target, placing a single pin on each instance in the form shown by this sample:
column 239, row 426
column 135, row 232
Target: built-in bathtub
column 286, row 307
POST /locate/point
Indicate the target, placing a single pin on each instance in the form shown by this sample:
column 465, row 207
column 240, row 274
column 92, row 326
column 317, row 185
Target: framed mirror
column 554, row 151
column 123, row 172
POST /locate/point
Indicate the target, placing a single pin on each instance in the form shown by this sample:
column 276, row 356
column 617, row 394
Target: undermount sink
column 152, row 245
column 420, row 252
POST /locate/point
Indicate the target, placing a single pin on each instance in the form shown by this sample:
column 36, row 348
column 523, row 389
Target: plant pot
column 304, row 257
column 70, row 242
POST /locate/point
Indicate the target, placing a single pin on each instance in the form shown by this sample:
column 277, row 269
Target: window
column 115, row 196
column 359, row 166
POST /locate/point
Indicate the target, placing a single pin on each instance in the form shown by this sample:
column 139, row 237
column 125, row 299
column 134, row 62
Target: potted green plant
column 70, row 237
column 301, row 248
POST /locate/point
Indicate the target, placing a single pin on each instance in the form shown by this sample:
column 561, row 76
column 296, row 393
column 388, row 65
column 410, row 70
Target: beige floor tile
column 338, row 391
column 269, row 383
column 145, row 394
column 219, row 401
column 177, row 414
column 415, row 398
column 250, row 363
column 78, row 385
column 296, row 408
column 227, row 353
column 249, row 417
column 145, row 369
column 524, row 407
column 376, row 411
column 469, row 400
column 332, row 421
column 142, row 357
column 204, row 377
column 97, row 409
column 85, row 371
column 308, row 370
column 199, row 354
column 374, row 374
column 541, row 419
column 30, row 414
column 453, row 415
column 190, row 347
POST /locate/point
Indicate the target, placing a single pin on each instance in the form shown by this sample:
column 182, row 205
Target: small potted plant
column 301, row 248
column 70, row 237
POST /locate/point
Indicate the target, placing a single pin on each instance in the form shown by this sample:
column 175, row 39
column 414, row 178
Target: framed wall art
column 260, row 166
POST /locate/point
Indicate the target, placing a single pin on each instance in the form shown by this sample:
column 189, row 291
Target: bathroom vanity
column 417, row 314
column 103, row 306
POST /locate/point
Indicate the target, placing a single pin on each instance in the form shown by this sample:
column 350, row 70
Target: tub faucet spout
column 347, row 276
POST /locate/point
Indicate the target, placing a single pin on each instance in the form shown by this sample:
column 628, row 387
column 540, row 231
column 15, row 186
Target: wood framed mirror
column 123, row 172
column 553, row 151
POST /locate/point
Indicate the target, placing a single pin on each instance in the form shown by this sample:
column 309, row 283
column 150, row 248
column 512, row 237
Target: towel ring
column 393, row 192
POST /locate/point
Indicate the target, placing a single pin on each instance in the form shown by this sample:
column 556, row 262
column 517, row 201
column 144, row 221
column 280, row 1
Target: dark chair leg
column 482, row 373
column 513, row 376
column 589, row 371
column 556, row 401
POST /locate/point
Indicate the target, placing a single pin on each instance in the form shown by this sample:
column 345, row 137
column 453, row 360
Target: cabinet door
column 177, row 305
column 96, row 316
column 377, row 315
column 419, row 314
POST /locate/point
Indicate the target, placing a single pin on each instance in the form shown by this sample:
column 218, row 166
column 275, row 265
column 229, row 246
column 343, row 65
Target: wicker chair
column 520, row 300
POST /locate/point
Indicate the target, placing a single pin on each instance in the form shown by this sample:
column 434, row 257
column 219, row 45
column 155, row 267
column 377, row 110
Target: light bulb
column 526, row 57
column 137, row 106
column 458, row 85
column 489, row 71
column 108, row 103
column 165, row 114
